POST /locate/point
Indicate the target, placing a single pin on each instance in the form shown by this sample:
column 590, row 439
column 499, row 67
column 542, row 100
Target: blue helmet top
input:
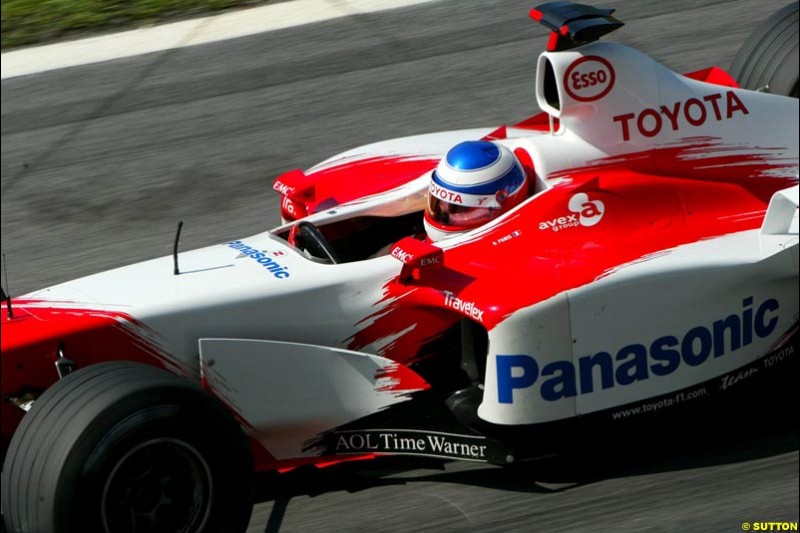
column 479, row 167
column 472, row 155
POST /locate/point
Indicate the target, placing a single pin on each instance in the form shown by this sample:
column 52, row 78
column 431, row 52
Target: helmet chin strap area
column 436, row 234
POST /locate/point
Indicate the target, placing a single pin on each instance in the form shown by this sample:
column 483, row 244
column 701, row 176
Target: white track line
column 187, row 33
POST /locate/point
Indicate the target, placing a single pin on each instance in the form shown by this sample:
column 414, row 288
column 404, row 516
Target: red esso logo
column 589, row 78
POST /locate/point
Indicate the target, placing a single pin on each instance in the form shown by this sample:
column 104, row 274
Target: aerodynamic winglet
column 574, row 24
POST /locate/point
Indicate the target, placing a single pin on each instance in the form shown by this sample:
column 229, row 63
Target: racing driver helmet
column 474, row 183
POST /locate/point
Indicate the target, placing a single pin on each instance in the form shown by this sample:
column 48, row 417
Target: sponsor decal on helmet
column 589, row 78
column 470, row 200
column 443, row 194
column 585, row 212
column 693, row 112
column 262, row 258
column 636, row 362
column 466, row 308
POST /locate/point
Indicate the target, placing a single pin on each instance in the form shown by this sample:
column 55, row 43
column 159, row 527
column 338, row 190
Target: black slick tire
column 127, row 447
column 768, row 59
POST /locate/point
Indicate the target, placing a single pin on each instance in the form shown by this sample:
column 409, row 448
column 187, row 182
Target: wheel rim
column 161, row 485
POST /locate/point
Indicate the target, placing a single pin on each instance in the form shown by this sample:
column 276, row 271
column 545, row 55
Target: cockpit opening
column 358, row 238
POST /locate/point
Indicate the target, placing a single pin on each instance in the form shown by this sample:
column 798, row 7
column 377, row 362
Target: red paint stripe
column 714, row 75
column 400, row 378
column 538, row 122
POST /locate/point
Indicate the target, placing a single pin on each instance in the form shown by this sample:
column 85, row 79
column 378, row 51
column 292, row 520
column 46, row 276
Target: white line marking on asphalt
column 187, row 33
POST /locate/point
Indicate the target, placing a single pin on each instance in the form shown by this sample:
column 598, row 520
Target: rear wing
column 573, row 25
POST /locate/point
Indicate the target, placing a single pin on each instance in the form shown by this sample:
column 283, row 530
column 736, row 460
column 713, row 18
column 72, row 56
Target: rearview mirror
column 416, row 257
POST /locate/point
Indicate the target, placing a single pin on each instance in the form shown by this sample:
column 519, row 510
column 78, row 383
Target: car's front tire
column 768, row 59
column 125, row 447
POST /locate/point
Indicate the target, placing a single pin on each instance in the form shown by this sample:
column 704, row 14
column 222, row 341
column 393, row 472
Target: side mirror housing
column 417, row 256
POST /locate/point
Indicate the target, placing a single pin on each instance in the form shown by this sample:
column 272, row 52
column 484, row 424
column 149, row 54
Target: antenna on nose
column 176, row 271
column 6, row 296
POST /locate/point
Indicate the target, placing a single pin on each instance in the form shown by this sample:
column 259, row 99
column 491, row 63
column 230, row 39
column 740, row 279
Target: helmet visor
column 459, row 216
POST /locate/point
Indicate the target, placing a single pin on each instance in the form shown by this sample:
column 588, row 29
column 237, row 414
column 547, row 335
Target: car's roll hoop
column 574, row 24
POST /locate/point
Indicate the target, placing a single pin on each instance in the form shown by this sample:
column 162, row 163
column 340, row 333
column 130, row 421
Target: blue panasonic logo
column 262, row 258
column 636, row 362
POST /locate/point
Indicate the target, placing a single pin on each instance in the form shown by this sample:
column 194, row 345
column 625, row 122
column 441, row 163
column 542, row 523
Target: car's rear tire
column 768, row 59
column 127, row 447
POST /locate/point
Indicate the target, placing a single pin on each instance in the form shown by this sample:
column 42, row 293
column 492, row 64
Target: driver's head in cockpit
column 474, row 183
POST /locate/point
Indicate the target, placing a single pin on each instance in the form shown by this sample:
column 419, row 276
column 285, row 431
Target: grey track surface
column 99, row 162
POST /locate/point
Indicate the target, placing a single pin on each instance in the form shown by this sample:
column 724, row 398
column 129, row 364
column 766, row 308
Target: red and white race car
column 653, row 265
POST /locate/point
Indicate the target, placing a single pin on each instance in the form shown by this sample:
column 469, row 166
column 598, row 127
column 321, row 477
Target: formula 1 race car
column 653, row 265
